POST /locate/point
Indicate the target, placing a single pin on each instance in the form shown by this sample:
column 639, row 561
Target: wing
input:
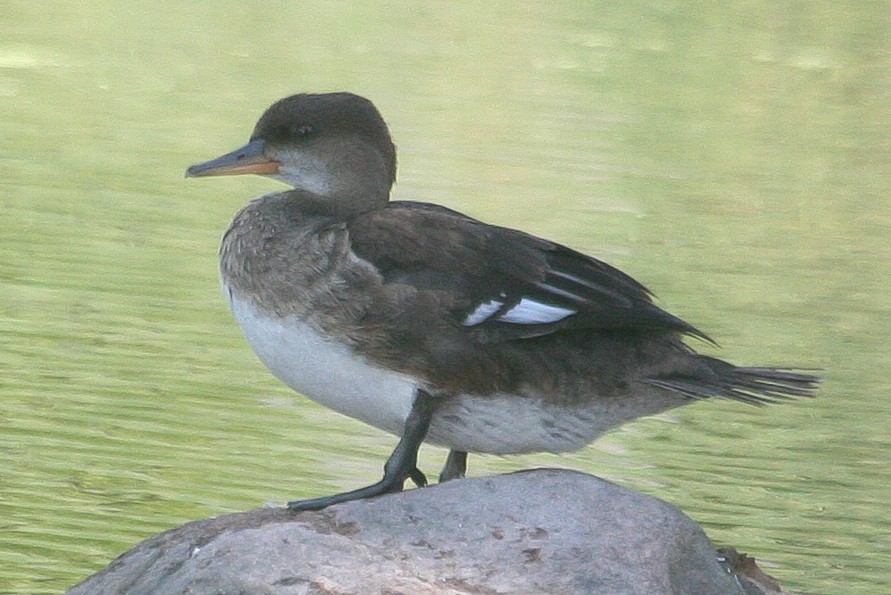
column 501, row 284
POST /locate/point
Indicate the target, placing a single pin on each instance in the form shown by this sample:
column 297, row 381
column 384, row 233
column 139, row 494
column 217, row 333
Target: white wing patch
column 532, row 312
column 482, row 312
column 527, row 311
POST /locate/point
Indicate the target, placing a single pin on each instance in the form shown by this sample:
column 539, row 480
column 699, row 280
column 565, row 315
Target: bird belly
column 514, row 424
column 326, row 371
column 333, row 375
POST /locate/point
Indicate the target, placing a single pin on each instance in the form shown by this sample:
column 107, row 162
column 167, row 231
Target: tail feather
column 757, row 386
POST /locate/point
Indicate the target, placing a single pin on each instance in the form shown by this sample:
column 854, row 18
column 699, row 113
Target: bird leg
column 418, row 478
column 401, row 465
column 455, row 466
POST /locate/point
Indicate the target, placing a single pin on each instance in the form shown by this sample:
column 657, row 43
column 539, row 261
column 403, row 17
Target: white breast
column 327, row 372
column 332, row 375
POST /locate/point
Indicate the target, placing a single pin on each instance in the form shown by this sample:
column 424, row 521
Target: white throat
column 309, row 174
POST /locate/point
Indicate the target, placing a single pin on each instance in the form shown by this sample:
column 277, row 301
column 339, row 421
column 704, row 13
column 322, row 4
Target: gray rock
column 540, row 531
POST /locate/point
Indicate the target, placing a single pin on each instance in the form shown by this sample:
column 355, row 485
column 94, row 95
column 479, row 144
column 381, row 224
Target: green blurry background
column 734, row 157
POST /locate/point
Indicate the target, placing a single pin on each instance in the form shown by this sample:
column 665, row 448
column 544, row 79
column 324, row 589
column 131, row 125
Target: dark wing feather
column 502, row 284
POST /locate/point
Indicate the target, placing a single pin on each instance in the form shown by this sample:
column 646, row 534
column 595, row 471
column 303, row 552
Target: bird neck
column 343, row 177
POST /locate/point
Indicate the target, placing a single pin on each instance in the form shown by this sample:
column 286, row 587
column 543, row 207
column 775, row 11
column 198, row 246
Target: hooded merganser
column 432, row 325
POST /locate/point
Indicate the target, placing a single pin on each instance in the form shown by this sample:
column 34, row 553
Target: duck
column 437, row 327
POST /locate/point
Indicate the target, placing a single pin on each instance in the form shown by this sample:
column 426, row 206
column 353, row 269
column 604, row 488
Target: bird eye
column 304, row 130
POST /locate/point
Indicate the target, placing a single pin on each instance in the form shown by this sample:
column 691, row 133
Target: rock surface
column 540, row 531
